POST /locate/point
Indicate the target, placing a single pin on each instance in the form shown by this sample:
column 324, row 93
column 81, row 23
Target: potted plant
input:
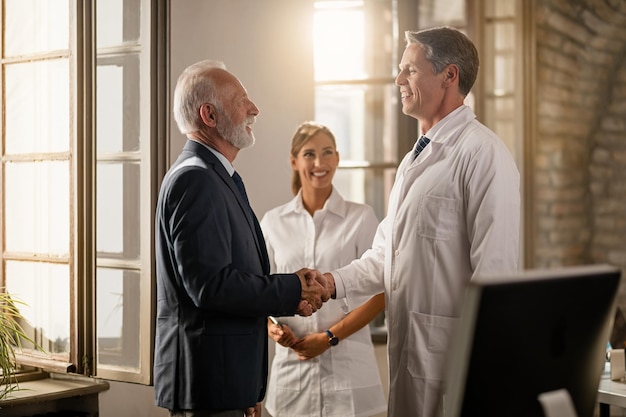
column 11, row 336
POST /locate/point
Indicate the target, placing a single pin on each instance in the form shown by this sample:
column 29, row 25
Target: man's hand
column 254, row 411
column 304, row 309
column 314, row 291
column 314, row 276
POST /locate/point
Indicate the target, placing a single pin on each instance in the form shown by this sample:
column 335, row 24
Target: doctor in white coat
column 454, row 213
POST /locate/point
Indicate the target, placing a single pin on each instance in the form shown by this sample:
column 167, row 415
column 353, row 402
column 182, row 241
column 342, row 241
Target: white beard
column 236, row 135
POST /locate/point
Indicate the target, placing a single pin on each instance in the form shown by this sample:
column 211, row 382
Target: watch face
column 334, row 341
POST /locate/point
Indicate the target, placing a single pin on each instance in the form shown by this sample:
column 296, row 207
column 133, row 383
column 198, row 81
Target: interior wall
column 268, row 46
column 580, row 161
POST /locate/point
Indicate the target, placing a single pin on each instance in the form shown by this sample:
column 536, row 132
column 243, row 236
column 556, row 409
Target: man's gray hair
column 193, row 89
column 444, row 46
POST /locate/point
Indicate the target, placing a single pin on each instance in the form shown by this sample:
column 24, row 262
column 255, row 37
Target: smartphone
column 276, row 322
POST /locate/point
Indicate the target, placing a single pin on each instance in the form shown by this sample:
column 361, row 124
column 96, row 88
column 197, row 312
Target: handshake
column 317, row 288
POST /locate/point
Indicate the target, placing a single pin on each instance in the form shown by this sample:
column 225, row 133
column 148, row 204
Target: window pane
column 504, row 36
column 361, row 118
column 441, row 13
column 349, row 183
column 499, row 8
column 45, row 288
column 342, row 109
column 118, row 22
column 37, row 216
column 339, row 41
column 369, row 186
column 118, row 317
column 500, row 111
column 36, row 26
column 499, row 59
column 118, row 104
column 37, row 91
column 118, row 204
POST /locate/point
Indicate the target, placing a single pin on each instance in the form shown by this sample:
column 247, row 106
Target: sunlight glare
column 339, row 31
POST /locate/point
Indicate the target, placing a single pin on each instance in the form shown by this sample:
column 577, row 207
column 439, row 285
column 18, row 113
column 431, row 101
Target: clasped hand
column 315, row 291
column 305, row 348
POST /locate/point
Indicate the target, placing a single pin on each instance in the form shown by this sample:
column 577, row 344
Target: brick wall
column 580, row 164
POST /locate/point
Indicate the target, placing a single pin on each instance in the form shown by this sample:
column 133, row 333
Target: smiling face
column 316, row 162
column 238, row 113
column 422, row 91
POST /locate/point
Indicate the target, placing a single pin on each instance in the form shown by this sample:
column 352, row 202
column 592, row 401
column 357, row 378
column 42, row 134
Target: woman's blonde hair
column 303, row 133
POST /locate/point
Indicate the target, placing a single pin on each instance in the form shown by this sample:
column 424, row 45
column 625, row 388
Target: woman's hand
column 311, row 345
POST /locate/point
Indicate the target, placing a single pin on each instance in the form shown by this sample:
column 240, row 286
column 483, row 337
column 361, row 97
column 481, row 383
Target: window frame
column 378, row 177
column 83, row 257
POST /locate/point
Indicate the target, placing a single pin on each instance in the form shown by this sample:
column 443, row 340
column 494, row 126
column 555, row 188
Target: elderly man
column 214, row 290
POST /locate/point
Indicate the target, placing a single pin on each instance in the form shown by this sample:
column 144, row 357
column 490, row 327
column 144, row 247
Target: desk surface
column 611, row 392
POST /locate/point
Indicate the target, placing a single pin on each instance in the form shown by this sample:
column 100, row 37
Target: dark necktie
column 257, row 227
column 419, row 147
column 241, row 187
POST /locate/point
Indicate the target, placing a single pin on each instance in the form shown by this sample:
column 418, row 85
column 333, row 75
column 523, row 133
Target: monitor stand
column 557, row 404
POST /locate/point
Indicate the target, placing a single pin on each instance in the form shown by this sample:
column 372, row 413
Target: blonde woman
column 324, row 365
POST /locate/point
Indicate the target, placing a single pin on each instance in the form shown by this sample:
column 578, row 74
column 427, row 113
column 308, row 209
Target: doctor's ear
column 450, row 73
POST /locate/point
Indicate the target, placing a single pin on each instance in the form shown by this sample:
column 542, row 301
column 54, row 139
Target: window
column 357, row 48
column 355, row 96
column 500, row 71
column 506, row 104
column 79, row 159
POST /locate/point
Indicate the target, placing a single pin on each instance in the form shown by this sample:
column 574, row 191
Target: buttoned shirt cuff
column 340, row 288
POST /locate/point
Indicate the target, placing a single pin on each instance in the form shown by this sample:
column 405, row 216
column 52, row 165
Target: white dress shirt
column 454, row 213
column 343, row 381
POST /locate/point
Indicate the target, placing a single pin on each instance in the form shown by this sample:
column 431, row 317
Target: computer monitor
column 529, row 333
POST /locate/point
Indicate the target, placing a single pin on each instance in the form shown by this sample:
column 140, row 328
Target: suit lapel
column 215, row 165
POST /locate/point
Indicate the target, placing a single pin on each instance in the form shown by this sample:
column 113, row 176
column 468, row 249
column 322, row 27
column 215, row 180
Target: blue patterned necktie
column 419, row 147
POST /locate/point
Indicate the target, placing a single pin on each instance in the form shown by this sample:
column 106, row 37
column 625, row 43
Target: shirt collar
column 454, row 119
column 334, row 204
column 229, row 167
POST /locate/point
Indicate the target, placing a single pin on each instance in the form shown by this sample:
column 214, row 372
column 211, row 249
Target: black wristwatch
column 332, row 339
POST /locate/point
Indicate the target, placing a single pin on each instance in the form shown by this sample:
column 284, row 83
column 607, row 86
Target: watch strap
column 332, row 339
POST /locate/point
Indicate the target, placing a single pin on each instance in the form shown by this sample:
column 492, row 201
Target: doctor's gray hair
column 444, row 46
column 194, row 88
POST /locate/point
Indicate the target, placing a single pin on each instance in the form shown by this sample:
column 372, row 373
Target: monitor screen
column 529, row 333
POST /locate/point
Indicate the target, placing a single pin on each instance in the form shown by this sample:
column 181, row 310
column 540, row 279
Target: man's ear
column 450, row 75
column 208, row 114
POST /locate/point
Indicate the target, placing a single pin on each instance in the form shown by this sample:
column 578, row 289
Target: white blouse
column 343, row 381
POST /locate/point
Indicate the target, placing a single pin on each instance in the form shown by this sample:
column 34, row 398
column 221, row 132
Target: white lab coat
column 453, row 213
column 343, row 381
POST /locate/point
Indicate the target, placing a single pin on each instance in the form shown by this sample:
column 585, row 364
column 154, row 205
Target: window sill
column 54, row 392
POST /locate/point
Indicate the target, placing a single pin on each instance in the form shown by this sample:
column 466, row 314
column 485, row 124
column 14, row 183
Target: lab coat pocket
column 437, row 217
column 427, row 345
column 286, row 369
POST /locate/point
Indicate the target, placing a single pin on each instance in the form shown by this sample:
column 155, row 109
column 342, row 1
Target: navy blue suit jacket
column 214, row 291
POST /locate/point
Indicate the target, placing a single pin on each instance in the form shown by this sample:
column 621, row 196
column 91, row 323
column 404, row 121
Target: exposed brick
column 580, row 145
